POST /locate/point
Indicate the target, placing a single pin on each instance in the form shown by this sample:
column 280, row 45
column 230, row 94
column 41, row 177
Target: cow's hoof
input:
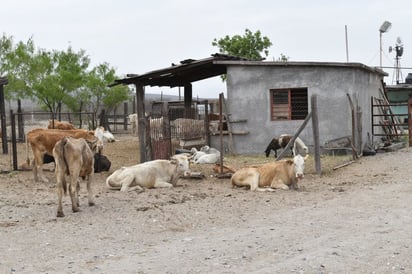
column 91, row 203
column 76, row 209
column 60, row 214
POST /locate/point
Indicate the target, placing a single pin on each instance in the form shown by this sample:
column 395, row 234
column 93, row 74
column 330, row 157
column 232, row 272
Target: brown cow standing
column 55, row 124
column 42, row 142
column 74, row 158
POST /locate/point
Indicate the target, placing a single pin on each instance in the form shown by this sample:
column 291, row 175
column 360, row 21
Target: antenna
column 398, row 49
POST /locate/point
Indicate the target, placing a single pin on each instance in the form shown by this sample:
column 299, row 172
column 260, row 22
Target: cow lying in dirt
column 282, row 174
column 74, row 158
column 42, row 142
column 152, row 174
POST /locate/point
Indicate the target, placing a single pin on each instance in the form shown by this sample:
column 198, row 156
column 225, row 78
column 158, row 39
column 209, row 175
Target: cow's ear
column 306, row 157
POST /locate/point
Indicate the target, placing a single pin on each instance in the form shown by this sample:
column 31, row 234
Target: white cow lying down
column 151, row 174
column 206, row 155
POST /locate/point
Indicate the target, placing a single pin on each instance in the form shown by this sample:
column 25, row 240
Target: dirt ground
column 356, row 219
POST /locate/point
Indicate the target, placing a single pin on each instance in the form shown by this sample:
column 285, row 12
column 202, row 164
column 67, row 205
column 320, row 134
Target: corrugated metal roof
column 186, row 72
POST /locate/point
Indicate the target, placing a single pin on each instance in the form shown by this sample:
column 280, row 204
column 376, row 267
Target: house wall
column 248, row 97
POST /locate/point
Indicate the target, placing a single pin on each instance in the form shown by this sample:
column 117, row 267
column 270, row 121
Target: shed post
column 410, row 120
column 188, row 100
column 145, row 154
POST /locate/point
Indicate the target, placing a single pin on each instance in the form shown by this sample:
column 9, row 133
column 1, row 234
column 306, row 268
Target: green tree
column 56, row 78
column 14, row 63
column 99, row 92
column 250, row 45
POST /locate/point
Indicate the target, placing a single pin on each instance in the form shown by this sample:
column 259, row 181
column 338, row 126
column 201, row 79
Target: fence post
column 13, row 139
column 315, row 128
column 20, row 121
column 125, row 106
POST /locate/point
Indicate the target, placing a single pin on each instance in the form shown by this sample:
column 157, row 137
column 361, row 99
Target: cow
column 101, row 163
column 151, row 174
column 74, row 158
column 133, row 122
column 283, row 174
column 282, row 142
column 55, row 124
column 209, row 155
column 42, row 142
column 104, row 135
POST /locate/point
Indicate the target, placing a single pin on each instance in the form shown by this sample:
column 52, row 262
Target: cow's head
column 182, row 164
column 299, row 165
column 96, row 145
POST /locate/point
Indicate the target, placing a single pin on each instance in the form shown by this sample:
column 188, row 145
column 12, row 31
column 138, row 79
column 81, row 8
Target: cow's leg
column 136, row 188
column 280, row 186
column 73, row 192
column 60, row 192
column 38, row 168
column 90, row 180
column 254, row 181
column 162, row 185
column 126, row 182
column 265, row 189
column 78, row 192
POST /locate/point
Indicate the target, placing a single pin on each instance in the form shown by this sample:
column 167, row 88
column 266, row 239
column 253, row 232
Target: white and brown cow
column 42, row 142
column 282, row 174
column 151, row 174
column 74, row 158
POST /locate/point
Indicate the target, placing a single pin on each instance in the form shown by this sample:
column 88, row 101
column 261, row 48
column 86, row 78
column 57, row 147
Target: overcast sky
column 141, row 36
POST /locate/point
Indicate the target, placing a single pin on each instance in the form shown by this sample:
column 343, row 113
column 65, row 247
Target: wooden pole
column 13, row 139
column 188, row 93
column 410, row 120
column 315, row 128
column 145, row 151
column 221, row 130
column 354, row 153
column 292, row 140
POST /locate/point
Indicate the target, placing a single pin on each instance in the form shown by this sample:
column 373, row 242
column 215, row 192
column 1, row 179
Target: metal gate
column 178, row 127
column 388, row 125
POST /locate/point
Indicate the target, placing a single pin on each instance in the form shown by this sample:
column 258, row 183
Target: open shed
column 271, row 98
column 177, row 75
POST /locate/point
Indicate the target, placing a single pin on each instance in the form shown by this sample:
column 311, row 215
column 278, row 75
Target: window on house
column 289, row 104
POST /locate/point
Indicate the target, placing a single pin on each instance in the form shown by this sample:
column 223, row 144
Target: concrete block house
column 273, row 98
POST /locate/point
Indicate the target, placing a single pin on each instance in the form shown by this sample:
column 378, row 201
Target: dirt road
column 356, row 219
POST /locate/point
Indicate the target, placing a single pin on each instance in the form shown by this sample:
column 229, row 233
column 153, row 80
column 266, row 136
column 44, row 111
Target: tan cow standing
column 74, row 158
column 283, row 174
column 42, row 142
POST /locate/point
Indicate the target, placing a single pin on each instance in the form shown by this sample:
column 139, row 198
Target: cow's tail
column 63, row 150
